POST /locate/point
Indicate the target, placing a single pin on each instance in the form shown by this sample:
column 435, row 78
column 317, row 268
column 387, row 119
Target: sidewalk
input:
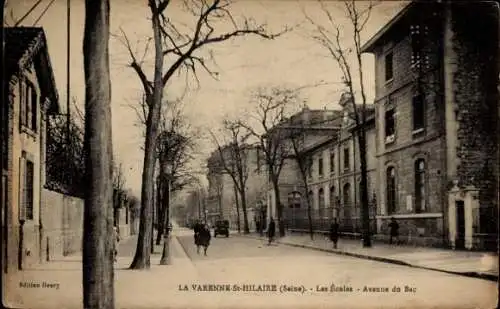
column 59, row 282
column 467, row 263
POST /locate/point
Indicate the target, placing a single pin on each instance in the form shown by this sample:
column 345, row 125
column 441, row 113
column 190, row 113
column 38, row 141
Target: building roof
column 26, row 45
column 369, row 46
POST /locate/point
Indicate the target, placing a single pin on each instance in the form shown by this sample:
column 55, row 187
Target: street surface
column 242, row 272
column 358, row 282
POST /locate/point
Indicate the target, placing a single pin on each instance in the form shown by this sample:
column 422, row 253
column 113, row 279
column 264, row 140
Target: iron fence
column 349, row 220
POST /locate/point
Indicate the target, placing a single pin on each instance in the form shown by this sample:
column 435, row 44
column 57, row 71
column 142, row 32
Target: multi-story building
column 331, row 153
column 437, row 123
column 222, row 195
column 31, row 96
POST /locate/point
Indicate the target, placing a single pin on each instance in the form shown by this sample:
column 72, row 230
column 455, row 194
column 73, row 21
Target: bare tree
column 233, row 157
column 297, row 137
column 271, row 106
column 177, row 45
column 175, row 147
column 330, row 39
column 119, row 193
column 98, row 272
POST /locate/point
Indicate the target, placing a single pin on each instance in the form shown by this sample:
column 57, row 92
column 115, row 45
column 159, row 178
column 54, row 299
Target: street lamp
column 165, row 255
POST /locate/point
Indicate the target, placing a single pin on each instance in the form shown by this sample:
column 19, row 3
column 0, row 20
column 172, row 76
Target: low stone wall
column 62, row 222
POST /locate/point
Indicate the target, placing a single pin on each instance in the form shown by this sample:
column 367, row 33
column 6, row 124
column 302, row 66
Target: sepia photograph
column 249, row 154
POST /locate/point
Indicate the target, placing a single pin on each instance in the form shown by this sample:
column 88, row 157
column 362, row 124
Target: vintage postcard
column 249, row 154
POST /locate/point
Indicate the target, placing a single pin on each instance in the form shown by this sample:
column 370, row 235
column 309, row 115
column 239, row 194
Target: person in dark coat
column 197, row 228
column 394, row 230
column 271, row 230
column 334, row 233
column 204, row 238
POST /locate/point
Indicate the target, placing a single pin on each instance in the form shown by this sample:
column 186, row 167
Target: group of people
column 202, row 237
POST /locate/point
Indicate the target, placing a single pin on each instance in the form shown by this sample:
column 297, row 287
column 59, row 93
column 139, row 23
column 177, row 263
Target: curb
column 477, row 275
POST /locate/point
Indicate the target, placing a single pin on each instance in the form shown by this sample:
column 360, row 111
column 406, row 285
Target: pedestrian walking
column 197, row 228
column 334, row 233
column 394, row 231
column 271, row 230
column 204, row 238
column 116, row 242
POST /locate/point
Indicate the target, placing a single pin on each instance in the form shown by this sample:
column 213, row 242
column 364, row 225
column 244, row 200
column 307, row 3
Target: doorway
column 460, row 232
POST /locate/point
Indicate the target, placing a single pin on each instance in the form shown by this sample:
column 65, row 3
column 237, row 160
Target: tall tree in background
column 233, row 157
column 271, row 106
column 296, row 137
column 329, row 38
column 98, row 272
column 176, row 45
column 175, row 148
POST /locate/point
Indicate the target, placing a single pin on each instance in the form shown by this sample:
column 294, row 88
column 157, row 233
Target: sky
column 293, row 59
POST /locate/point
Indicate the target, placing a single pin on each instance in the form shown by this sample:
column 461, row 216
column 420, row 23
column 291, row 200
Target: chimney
column 305, row 114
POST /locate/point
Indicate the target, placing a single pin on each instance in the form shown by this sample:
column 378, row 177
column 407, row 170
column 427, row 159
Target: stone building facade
column 333, row 175
column 437, row 123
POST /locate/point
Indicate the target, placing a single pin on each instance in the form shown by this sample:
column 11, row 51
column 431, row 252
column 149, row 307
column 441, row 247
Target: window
column 309, row 167
column 346, row 205
column 418, row 113
column 320, row 167
column 27, row 189
column 29, row 103
column 321, row 203
column 332, row 162
column 388, row 67
column 391, row 189
column 390, row 126
column 346, row 158
column 294, row 199
column 333, row 201
column 420, row 185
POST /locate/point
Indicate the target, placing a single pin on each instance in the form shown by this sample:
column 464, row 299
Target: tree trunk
column 97, row 249
column 279, row 207
column 237, row 208
column 364, row 189
column 143, row 251
column 161, row 206
column 309, row 210
column 246, row 229
column 165, row 255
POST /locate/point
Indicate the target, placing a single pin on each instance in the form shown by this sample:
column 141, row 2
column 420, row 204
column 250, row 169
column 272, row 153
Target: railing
column 349, row 220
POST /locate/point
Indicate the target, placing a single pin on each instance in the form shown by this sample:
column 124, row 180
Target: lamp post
column 165, row 255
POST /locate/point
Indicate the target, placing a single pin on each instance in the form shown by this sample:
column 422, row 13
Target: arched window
column 294, row 199
column 321, row 202
column 420, row 185
column 346, row 201
column 391, row 189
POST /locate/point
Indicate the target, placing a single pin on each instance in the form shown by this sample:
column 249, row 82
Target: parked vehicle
column 221, row 228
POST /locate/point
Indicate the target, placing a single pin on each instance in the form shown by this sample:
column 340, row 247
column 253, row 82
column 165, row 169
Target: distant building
column 221, row 201
column 437, row 123
column 331, row 151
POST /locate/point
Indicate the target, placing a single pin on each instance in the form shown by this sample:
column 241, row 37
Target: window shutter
column 22, row 189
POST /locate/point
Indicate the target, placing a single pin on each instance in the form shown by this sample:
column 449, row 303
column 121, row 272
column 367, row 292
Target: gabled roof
column 26, row 45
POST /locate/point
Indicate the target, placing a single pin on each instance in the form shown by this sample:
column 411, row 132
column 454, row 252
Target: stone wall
column 62, row 218
column 476, row 100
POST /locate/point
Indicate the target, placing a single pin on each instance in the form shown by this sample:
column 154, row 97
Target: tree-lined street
column 247, row 265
